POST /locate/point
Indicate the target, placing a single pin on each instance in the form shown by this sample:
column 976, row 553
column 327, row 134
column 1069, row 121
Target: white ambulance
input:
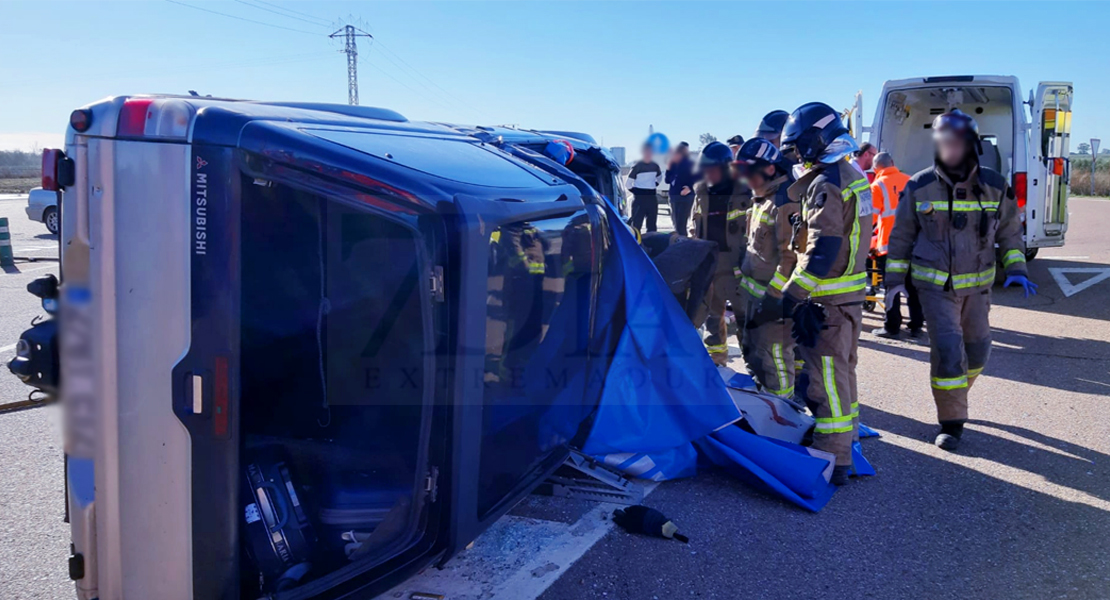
column 1024, row 137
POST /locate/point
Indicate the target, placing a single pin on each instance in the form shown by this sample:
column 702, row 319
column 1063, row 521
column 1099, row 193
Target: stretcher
column 874, row 298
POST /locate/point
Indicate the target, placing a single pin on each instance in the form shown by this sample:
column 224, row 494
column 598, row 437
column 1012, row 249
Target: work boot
column 840, row 475
column 883, row 333
column 949, row 436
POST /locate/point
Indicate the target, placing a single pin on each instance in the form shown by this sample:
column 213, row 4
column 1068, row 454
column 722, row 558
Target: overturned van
column 1025, row 139
column 305, row 349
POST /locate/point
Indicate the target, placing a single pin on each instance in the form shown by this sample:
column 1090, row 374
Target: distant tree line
column 19, row 158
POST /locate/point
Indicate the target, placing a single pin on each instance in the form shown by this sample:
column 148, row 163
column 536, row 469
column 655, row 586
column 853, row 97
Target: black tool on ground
column 648, row 521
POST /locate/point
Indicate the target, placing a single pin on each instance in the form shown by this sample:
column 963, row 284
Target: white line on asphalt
column 34, row 249
column 517, row 558
column 1070, row 289
column 37, row 269
column 6, row 348
column 1049, row 256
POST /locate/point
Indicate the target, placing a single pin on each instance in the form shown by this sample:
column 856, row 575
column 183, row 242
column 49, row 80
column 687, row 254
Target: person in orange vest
column 888, row 185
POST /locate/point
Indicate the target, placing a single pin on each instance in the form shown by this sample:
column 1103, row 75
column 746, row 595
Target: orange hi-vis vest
column 888, row 184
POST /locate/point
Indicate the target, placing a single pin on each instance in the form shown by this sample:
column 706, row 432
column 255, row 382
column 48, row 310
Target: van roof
column 914, row 82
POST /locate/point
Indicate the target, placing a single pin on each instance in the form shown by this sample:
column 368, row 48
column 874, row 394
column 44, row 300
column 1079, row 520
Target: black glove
column 809, row 321
column 770, row 309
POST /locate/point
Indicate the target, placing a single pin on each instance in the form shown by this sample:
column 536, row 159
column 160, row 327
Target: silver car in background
column 42, row 206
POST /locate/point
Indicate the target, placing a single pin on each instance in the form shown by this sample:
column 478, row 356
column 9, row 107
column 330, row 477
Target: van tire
column 1030, row 254
column 50, row 219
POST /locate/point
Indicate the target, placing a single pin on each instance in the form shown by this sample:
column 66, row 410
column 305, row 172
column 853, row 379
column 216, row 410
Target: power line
column 406, row 86
column 242, row 18
column 270, row 10
column 296, row 12
column 442, row 90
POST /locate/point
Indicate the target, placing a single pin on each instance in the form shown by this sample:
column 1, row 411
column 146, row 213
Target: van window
column 539, row 295
column 907, row 117
column 333, row 382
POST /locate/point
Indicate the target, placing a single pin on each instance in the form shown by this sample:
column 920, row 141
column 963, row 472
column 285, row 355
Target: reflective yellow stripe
column 752, row 287
column 929, row 275
column 974, row 372
column 784, row 393
column 737, row 273
column 717, row 349
column 778, row 281
column 836, row 424
column 780, row 367
column 898, row 266
column 803, row 279
column 734, row 214
column 971, row 280
column 840, row 285
column 960, row 206
column 828, row 374
column 950, row 383
column 1011, row 257
column 853, row 245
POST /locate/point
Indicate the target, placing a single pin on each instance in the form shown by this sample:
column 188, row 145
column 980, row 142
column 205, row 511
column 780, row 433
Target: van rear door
column 1047, row 210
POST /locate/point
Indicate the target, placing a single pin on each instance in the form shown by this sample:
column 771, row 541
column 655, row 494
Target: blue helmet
column 715, row 154
column 771, row 125
column 757, row 153
column 810, row 129
column 960, row 123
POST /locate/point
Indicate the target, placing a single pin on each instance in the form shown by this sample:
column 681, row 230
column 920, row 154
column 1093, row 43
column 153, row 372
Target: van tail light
column 57, row 170
column 162, row 118
column 1021, row 189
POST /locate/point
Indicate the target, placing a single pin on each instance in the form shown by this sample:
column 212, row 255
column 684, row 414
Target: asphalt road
column 1022, row 512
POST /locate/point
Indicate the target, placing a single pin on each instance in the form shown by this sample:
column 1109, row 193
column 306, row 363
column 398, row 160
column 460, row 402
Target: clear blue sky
column 609, row 69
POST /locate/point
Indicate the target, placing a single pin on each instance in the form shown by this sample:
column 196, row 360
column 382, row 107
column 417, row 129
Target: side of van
column 1025, row 138
column 304, row 345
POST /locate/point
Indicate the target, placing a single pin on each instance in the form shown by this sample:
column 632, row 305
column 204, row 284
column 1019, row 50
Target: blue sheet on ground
column 662, row 400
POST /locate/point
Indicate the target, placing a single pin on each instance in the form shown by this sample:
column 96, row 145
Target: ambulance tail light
column 1021, row 189
column 160, row 118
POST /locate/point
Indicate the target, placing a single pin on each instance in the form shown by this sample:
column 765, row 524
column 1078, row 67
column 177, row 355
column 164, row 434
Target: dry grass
column 19, row 185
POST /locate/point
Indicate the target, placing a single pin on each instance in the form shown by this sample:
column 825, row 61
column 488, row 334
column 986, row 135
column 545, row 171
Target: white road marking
column 1052, row 257
column 7, row 348
column 1070, row 289
column 37, row 269
column 35, row 249
column 517, row 558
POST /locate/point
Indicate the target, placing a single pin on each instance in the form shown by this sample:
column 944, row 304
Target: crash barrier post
column 6, row 258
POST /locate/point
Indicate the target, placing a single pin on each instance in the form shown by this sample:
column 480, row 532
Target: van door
column 1047, row 210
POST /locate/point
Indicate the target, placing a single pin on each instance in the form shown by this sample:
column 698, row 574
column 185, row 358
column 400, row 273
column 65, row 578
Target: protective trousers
column 960, row 344
column 769, row 352
column 724, row 289
column 829, row 374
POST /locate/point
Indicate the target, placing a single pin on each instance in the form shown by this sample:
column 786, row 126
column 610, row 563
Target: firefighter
column 770, row 128
column 720, row 211
column 826, row 290
column 768, row 263
column 946, row 226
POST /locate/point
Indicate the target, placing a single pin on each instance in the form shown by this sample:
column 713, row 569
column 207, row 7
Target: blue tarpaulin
column 663, row 401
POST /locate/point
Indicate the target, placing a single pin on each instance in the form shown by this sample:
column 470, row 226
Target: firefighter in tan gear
column 825, row 293
column 946, row 226
column 720, row 216
column 768, row 263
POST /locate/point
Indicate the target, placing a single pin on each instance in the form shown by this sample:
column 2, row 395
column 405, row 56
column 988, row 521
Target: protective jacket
column 734, row 213
column 770, row 257
column 945, row 233
column 836, row 213
column 889, row 183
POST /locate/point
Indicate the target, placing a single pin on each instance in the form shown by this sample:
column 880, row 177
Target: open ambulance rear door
column 1046, row 211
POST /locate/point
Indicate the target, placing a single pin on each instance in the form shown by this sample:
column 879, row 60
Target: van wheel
column 50, row 219
column 1030, row 254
